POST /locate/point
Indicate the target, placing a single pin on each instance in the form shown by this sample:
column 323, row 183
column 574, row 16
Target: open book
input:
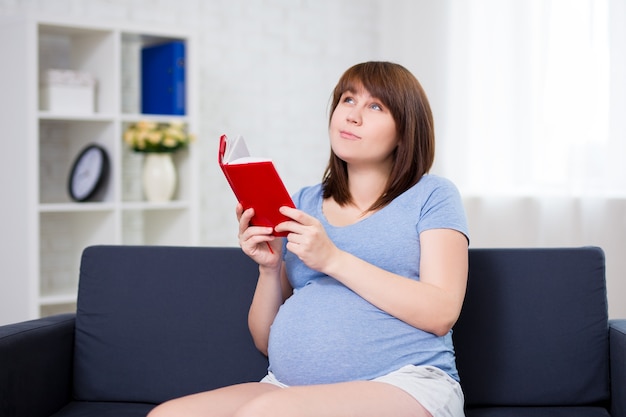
column 255, row 182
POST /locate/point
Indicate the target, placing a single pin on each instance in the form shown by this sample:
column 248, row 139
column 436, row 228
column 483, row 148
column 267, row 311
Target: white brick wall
column 266, row 70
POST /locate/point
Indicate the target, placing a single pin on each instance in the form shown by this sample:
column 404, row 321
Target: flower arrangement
column 147, row 136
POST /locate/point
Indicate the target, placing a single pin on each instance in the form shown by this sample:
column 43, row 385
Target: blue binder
column 163, row 79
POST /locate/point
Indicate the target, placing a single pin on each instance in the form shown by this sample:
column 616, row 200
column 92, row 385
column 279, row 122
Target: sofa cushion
column 154, row 323
column 103, row 409
column 537, row 412
column 533, row 329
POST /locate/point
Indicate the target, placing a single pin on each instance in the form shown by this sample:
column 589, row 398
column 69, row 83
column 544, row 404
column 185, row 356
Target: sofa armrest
column 617, row 339
column 36, row 365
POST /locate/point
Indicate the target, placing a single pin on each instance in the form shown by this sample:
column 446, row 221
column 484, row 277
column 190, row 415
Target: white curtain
column 532, row 97
column 535, row 124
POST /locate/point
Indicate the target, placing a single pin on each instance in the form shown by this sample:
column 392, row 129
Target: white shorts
column 435, row 390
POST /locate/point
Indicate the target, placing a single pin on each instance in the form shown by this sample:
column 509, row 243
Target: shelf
column 147, row 206
column 60, row 141
column 94, row 117
column 75, row 207
column 60, row 308
column 105, row 207
column 57, row 299
column 80, row 48
column 162, row 118
column 70, row 29
column 156, row 227
column 131, row 190
column 49, row 231
column 152, row 38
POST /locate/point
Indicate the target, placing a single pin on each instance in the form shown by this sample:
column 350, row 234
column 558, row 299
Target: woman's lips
column 348, row 135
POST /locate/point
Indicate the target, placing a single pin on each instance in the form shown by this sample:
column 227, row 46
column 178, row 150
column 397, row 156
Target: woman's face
column 362, row 130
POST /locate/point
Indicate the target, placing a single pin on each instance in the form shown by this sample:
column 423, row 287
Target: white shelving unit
column 43, row 230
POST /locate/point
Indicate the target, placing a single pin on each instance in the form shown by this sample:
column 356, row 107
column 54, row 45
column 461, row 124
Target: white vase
column 159, row 177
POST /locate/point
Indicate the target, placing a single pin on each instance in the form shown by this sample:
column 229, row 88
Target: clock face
column 87, row 173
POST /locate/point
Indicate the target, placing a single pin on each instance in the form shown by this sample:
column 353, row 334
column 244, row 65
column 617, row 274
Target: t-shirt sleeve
column 443, row 209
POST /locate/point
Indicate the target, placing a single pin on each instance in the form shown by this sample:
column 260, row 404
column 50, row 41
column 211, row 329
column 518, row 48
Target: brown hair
column 406, row 100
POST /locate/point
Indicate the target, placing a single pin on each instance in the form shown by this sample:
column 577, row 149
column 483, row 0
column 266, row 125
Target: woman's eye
column 348, row 100
column 376, row 106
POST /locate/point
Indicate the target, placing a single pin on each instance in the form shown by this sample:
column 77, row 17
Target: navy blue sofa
column 154, row 323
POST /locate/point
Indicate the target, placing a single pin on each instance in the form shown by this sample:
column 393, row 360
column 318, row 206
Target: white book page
column 247, row 160
column 237, row 153
column 235, row 149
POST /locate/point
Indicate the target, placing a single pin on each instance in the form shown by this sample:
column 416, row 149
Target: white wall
column 267, row 74
column 266, row 69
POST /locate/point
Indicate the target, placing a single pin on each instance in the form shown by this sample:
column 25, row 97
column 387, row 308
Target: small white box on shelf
column 66, row 91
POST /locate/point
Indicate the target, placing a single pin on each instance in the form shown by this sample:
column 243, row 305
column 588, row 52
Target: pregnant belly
column 325, row 333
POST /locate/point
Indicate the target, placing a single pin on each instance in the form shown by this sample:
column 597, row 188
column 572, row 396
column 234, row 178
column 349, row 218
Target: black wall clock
column 89, row 173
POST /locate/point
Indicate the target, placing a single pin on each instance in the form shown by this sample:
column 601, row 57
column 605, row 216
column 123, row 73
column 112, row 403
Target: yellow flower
column 146, row 125
column 129, row 137
column 154, row 137
column 147, row 136
column 170, row 142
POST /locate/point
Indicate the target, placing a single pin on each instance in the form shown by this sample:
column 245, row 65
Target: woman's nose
column 354, row 116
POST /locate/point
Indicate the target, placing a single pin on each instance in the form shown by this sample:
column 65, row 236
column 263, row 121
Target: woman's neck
column 366, row 186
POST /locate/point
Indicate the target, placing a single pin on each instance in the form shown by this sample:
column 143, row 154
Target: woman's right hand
column 272, row 286
column 257, row 241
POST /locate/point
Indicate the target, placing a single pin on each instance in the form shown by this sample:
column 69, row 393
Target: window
column 536, row 98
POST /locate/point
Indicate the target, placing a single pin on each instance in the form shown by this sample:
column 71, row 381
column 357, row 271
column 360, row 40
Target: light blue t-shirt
column 326, row 333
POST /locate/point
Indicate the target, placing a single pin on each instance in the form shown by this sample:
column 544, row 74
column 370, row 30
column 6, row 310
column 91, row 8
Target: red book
column 255, row 183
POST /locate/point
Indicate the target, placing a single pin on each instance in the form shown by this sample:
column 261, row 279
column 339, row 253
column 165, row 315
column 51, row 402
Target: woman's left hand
column 307, row 239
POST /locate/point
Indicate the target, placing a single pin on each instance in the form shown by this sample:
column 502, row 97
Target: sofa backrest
column 533, row 330
column 154, row 323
